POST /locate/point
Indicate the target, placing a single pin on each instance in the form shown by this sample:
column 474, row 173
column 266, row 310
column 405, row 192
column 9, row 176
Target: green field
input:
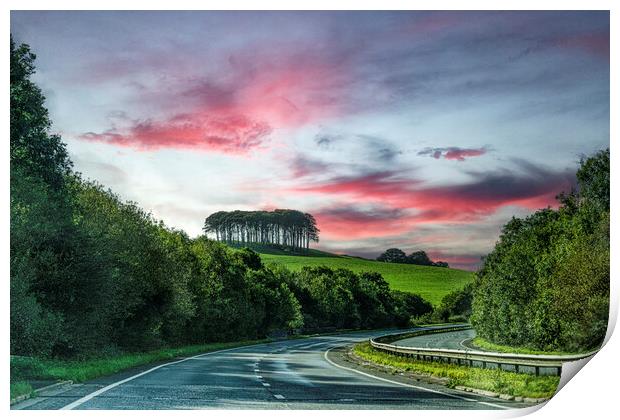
column 432, row 283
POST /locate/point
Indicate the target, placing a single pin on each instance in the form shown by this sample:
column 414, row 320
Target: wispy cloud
column 452, row 153
column 528, row 186
column 231, row 134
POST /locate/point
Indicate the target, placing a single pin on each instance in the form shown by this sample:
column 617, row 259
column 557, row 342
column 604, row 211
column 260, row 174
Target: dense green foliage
column 288, row 228
column 340, row 298
column 456, row 305
column 545, row 286
column 395, row 255
column 92, row 275
column 431, row 283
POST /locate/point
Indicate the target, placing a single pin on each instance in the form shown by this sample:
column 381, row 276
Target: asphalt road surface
column 449, row 340
column 291, row 374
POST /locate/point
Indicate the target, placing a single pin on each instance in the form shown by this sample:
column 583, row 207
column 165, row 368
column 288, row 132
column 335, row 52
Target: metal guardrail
column 472, row 358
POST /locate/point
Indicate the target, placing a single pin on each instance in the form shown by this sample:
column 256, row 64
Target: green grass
column 20, row 388
column 432, row 283
column 500, row 348
column 24, row 369
column 502, row 382
column 283, row 250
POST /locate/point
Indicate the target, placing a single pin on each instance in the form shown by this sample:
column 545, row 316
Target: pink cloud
column 462, row 261
column 452, row 153
column 348, row 222
column 460, row 203
column 258, row 94
column 593, row 43
column 226, row 134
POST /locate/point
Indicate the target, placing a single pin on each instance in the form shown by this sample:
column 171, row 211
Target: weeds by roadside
column 502, row 382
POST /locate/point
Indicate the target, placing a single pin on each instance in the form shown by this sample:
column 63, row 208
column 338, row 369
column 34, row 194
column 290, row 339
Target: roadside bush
column 408, row 305
column 456, row 305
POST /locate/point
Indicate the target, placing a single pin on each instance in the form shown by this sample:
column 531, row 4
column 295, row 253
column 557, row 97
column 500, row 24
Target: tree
column 418, row 258
column 456, row 304
column 33, row 149
column 408, row 305
column 282, row 227
column 593, row 177
column 545, row 285
column 393, row 255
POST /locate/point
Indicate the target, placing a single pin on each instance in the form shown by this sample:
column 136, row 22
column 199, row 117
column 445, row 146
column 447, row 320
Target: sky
column 416, row 130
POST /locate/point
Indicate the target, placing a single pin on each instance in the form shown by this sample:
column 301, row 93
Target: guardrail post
column 537, row 370
column 559, row 370
column 516, row 368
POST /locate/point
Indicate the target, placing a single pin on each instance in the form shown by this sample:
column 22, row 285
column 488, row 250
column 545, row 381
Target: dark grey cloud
column 326, row 140
column 357, row 214
column 302, row 166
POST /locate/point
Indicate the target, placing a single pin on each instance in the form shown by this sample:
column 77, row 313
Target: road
column 450, row 340
column 291, row 374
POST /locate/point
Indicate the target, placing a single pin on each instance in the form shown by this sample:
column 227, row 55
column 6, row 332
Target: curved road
column 450, row 340
column 292, row 374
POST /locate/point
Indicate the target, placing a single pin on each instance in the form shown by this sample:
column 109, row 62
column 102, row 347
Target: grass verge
column 500, row 348
column 20, row 388
column 25, row 369
column 502, row 382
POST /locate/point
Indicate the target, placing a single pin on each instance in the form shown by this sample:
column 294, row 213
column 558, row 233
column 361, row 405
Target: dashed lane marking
column 266, row 384
column 279, row 397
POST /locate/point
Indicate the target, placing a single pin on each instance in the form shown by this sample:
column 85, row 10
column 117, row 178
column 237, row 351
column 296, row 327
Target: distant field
column 432, row 283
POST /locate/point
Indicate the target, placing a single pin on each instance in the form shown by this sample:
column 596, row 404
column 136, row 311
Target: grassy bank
column 499, row 348
column 432, row 283
column 20, row 388
column 502, row 382
column 26, row 369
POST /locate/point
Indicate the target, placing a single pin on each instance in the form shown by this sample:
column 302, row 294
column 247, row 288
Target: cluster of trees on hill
column 290, row 228
column 546, row 283
column 93, row 275
column 342, row 299
column 395, row 255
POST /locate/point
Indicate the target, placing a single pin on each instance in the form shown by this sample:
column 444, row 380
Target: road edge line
column 94, row 394
column 460, row 397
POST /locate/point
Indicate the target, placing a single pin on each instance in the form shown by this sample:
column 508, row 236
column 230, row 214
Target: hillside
column 272, row 249
column 432, row 283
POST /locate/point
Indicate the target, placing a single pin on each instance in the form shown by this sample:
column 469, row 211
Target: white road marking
column 259, row 377
column 279, row 397
column 462, row 344
column 408, row 385
column 92, row 395
column 266, row 384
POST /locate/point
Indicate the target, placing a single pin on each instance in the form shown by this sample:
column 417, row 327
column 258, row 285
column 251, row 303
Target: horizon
column 425, row 131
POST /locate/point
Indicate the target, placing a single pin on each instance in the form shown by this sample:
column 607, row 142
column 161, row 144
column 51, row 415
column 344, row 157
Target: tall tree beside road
column 546, row 283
